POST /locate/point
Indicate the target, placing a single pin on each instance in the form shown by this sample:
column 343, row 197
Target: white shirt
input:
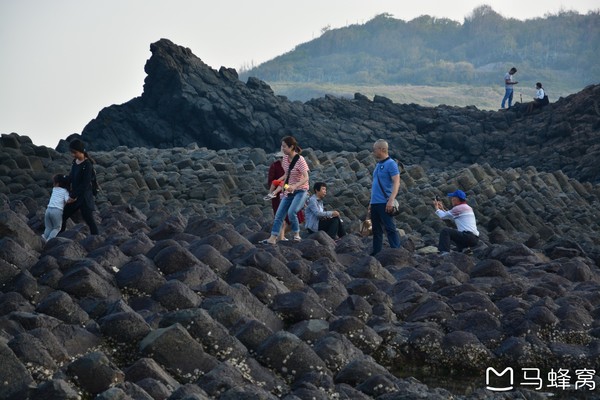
column 508, row 77
column 463, row 217
column 59, row 198
column 540, row 94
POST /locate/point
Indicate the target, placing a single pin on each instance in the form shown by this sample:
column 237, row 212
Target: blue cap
column 458, row 193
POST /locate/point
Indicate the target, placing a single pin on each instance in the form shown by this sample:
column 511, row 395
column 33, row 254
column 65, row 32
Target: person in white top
column 56, row 205
column 509, row 86
column 539, row 100
column 466, row 234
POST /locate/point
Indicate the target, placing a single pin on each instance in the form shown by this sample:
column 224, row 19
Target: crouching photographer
column 466, row 234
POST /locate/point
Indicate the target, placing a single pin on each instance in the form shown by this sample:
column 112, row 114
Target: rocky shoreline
column 175, row 299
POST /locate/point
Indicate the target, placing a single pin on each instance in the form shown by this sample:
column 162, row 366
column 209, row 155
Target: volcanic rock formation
column 175, row 299
column 185, row 101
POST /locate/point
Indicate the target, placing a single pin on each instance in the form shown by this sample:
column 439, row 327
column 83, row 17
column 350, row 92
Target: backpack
column 545, row 101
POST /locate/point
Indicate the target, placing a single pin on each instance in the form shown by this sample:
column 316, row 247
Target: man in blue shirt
column 386, row 183
column 317, row 219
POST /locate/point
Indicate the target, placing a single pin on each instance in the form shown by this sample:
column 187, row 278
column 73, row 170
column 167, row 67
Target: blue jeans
column 289, row 205
column 380, row 220
column 508, row 95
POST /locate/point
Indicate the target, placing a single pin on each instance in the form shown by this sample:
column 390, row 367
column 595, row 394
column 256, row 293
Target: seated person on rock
column 317, row 219
column 466, row 234
column 540, row 99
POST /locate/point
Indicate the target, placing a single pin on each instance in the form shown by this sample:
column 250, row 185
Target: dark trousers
column 332, row 226
column 380, row 221
column 461, row 239
column 86, row 212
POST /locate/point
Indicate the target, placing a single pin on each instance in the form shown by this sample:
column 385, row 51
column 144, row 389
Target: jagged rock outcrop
column 184, row 101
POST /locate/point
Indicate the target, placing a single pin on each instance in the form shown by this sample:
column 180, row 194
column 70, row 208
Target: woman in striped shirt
column 294, row 190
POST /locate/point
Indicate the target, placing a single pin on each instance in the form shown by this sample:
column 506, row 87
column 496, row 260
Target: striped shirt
column 296, row 174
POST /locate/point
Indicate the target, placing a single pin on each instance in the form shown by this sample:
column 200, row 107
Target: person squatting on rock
column 509, row 87
column 81, row 194
column 466, row 234
column 386, row 183
column 317, row 219
column 295, row 189
column 56, row 205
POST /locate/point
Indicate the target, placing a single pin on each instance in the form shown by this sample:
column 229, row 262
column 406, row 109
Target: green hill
column 464, row 63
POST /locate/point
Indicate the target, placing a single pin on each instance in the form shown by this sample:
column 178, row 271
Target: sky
column 62, row 61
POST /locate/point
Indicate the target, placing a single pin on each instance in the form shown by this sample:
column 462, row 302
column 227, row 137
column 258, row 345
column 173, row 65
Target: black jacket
column 81, row 184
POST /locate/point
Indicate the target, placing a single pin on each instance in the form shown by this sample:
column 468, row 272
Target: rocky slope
column 185, row 101
column 175, row 299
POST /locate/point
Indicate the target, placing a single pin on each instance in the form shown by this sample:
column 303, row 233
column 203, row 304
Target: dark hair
column 538, row 84
column 290, row 141
column 78, row 145
column 513, row 69
column 61, row 180
column 318, row 185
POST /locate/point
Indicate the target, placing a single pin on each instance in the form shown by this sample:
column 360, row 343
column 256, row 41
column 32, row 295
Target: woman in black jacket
column 81, row 194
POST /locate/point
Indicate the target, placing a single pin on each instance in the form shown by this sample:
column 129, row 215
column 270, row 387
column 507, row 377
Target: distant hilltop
column 185, row 101
column 440, row 52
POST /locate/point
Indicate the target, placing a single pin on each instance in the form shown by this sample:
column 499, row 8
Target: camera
column 436, row 198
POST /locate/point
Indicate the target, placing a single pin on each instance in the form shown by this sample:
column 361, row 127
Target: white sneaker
column 269, row 197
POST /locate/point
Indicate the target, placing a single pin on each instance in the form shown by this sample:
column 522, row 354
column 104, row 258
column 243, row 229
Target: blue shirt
column 314, row 212
column 384, row 171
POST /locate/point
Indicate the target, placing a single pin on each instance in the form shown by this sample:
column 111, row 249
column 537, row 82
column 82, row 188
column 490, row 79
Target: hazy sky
column 62, row 61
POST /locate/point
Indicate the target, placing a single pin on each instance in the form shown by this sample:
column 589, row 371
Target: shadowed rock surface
column 175, row 298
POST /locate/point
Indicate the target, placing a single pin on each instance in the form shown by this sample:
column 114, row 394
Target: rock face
column 176, row 299
column 185, row 101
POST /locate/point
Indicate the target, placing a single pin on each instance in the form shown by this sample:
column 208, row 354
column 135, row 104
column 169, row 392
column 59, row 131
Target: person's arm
column 441, row 211
column 395, row 187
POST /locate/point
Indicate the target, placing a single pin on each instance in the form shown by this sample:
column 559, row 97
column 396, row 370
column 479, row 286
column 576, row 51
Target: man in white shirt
column 317, row 219
column 466, row 234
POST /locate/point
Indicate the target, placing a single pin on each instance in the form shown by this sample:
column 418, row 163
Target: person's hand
column 389, row 207
column 71, row 200
column 335, row 214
